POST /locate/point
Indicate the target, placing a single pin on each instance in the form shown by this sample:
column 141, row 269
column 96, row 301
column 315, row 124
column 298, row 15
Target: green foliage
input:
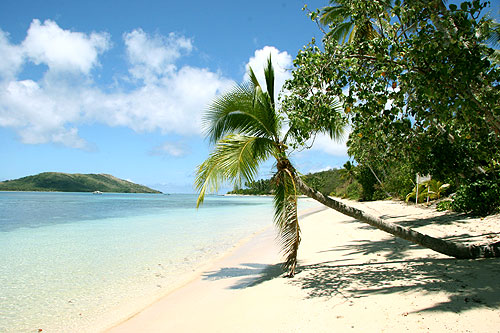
column 324, row 181
column 259, row 187
column 480, row 197
column 330, row 182
column 351, row 190
column 245, row 127
column 428, row 190
column 367, row 181
column 398, row 179
column 444, row 206
column 65, row 182
column 420, row 93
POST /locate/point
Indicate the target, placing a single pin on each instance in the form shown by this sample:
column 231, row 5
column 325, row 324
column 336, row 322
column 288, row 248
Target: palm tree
column 245, row 127
column 342, row 26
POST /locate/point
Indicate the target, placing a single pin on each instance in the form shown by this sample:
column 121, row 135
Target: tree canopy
column 420, row 91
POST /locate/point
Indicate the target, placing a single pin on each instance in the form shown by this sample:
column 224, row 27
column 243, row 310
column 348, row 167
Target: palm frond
column 495, row 57
column 285, row 217
column 334, row 14
column 341, row 31
column 337, row 126
column 245, row 109
column 236, row 159
column 253, row 77
column 494, row 34
column 269, row 75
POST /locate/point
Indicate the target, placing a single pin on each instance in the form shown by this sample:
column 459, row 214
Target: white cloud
column 154, row 56
column 63, row 50
column 39, row 117
column 172, row 105
column 321, row 170
column 12, row 57
column 282, row 63
column 166, row 98
column 175, row 149
column 169, row 99
column 331, row 147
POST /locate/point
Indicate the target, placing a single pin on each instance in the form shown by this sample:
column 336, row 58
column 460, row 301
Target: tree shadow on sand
column 253, row 274
column 394, row 248
column 410, row 221
column 469, row 283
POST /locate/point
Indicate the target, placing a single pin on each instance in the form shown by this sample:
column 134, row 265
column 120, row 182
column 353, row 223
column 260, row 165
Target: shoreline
column 266, row 233
column 81, row 264
column 347, row 271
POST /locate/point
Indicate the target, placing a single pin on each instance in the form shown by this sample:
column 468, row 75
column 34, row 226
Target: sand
column 351, row 278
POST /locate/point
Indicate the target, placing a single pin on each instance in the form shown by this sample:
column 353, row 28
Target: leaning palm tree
column 245, row 127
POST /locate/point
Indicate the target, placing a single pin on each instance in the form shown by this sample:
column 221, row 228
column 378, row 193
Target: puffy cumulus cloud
column 169, row 99
column 63, row 50
column 153, row 56
column 37, row 116
column 166, row 97
column 321, row 169
column 282, row 63
column 174, row 105
column 11, row 59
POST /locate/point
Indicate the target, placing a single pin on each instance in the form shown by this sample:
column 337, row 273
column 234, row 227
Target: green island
column 73, row 182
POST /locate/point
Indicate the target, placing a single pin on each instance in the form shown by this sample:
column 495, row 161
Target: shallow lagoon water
column 76, row 261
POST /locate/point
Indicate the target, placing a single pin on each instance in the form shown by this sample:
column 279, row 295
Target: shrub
column 431, row 189
column 443, row 206
column 480, row 197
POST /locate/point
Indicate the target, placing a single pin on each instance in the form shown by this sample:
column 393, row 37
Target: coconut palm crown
column 342, row 26
column 245, row 127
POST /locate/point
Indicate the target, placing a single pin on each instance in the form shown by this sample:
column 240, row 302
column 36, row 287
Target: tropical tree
column 348, row 173
column 246, row 129
column 423, row 93
column 343, row 28
column 245, row 126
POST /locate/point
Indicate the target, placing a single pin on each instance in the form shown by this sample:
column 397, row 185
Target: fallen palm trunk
column 446, row 247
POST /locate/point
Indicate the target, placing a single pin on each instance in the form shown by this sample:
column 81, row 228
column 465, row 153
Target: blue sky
column 119, row 87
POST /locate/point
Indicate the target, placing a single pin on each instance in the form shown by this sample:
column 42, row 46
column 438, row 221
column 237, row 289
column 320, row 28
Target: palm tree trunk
column 378, row 180
column 449, row 248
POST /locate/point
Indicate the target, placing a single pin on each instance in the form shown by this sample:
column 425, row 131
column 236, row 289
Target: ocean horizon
column 79, row 262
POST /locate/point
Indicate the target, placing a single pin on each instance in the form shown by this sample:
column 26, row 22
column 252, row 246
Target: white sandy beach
column 351, row 278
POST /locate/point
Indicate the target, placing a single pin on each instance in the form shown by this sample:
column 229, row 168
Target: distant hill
column 327, row 182
column 67, row 182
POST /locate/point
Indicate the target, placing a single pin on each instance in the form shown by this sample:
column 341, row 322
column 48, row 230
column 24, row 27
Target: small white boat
column 97, row 192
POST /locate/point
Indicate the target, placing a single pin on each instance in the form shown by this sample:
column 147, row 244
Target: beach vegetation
column 443, row 206
column 480, row 197
column 428, row 190
column 335, row 182
column 420, row 93
column 258, row 187
column 245, row 127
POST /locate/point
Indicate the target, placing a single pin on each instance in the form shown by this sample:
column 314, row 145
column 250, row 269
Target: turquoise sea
column 77, row 261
